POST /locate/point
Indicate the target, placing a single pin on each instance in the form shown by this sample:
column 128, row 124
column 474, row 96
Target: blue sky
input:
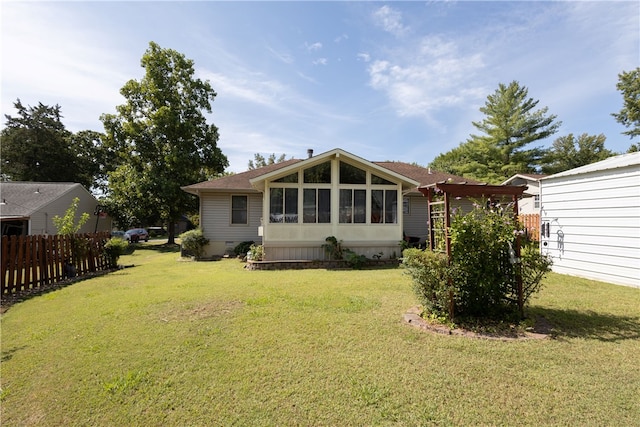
column 383, row 80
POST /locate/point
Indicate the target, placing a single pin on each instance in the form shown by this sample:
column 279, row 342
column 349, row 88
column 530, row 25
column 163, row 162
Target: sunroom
column 332, row 194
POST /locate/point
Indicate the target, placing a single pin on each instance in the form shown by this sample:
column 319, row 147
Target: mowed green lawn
column 174, row 343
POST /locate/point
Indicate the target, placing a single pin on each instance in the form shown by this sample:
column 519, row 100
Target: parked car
column 136, row 234
column 118, row 233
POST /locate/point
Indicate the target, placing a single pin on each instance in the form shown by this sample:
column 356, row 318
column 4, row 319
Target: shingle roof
column 22, row 199
column 425, row 176
column 240, row 181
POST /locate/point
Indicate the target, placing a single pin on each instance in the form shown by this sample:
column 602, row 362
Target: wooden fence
column 38, row 261
column 531, row 223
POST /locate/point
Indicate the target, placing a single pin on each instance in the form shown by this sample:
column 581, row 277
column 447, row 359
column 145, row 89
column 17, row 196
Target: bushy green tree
column 568, row 152
column 629, row 116
column 162, row 140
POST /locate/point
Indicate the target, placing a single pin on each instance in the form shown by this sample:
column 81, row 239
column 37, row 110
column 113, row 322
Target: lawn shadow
column 163, row 248
column 569, row 323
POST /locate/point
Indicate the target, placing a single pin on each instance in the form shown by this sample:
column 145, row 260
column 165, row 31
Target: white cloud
column 390, row 20
column 363, row 57
column 313, row 47
column 320, row 61
column 284, row 57
column 434, row 77
column 341, row 38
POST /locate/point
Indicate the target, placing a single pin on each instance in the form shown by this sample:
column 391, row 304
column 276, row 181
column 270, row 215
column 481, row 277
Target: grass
column 209, row 343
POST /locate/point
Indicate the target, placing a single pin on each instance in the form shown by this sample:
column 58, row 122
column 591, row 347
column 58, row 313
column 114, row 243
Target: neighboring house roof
column 22, row 199
column 524, row 176
column 243, row 181
column 614, row 162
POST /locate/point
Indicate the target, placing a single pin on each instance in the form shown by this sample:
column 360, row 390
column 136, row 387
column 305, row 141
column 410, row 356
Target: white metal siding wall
column 594, row 221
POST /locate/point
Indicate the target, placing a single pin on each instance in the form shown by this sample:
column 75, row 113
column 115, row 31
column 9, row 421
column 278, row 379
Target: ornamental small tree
column 482, row 277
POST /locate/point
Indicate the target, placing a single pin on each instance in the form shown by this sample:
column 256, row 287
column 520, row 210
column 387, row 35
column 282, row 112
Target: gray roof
column 22, row 199
column 615, row 162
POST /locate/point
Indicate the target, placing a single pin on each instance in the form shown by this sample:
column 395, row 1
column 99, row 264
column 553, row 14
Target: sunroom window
column 353, row 205
column 352, row 175
column 384, row 206
column 319, row 174
column 316, row 205
column 283, row 205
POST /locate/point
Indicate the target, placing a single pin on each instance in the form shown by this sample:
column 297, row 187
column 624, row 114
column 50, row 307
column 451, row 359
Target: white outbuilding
column 590, row 220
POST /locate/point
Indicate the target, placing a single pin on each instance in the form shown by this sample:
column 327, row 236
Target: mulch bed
column 541, row 330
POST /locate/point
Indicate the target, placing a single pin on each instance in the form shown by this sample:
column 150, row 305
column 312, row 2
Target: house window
column 351, row 174
column 384, row 206
column 239, row 210
column 316, row 204
column 292, row 178
column 283, row 205
column 353, row 205
column 406, row 206
column 319, row 174
column 536, row 201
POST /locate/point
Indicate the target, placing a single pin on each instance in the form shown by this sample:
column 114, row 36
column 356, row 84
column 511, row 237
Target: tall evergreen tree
column 511, row 123
column 162, row 139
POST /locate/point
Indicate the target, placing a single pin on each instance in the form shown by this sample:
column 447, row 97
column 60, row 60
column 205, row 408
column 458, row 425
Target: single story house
column 293, row 206
column 590, row 220
column 28, row 208
column 530, row 202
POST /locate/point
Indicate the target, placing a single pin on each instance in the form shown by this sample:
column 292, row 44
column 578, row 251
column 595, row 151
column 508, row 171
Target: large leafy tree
column 36, row 146
column 568, row 152
column 629, row 116
column 162, row 140
column 511, row 124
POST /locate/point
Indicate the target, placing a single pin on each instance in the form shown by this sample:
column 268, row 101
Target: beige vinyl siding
column 215, row 221
column 415, row 222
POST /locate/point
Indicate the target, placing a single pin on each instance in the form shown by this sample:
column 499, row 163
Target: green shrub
column 430, row 274
column 354, row 260
column 242, row 248
column 333, row 248
column 193, row 241
column 116, row 247
column 483, row 270
column 256, row 252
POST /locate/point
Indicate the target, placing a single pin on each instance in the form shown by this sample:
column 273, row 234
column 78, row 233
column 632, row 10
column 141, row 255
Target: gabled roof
column 238, row 181
column 615, row 162
column 22, row 199
column 242, row 181
column 524, row 176
column 258, row 182
column 424, row 176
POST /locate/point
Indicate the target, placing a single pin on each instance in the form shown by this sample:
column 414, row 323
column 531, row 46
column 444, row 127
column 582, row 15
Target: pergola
column 458, row 191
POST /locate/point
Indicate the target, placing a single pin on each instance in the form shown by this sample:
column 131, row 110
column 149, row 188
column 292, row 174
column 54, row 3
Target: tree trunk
column 171, row 231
